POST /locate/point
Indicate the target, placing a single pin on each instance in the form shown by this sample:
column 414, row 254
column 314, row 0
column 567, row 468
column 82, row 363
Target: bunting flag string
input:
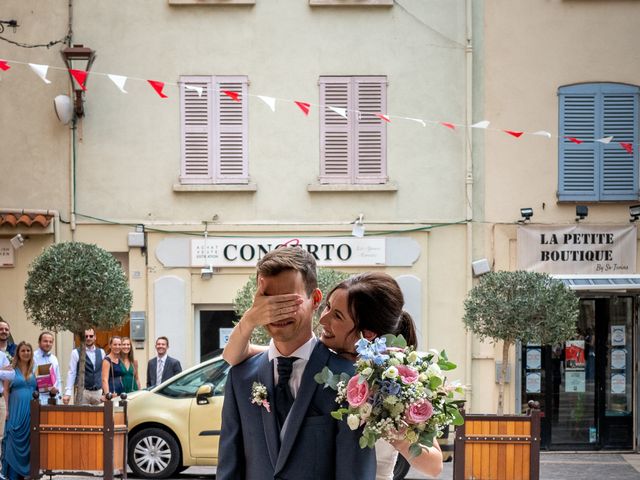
column 80, row 76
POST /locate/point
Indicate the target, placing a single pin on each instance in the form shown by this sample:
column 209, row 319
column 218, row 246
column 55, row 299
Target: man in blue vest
column 92, row 371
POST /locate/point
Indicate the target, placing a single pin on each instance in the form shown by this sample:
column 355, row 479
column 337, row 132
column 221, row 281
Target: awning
column 615, row 283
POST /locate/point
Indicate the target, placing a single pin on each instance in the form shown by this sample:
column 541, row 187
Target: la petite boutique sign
column 580, row 249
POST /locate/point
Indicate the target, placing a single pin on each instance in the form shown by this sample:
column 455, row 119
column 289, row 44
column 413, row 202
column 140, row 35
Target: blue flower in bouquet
column 373, row 351
column 389, row 387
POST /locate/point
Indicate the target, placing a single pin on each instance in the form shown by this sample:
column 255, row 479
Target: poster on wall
column 574, row 381
column 618, row 335
column 6, row 253
column 579, row 249
column 534, row 358
column 574, row 354
column 225, row 333
column 533, row 382
column 618, row 359
column 618, row 383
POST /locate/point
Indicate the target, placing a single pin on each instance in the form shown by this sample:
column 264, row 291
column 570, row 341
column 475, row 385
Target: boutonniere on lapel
column 259, row 396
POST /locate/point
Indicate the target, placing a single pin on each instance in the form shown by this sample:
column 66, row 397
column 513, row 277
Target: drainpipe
column 468, row 187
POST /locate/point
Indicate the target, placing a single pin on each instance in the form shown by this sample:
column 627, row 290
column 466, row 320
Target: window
column 214, row 130
column 595, row 170
column 353, row 149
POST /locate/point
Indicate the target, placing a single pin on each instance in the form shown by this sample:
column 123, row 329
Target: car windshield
column 186, row 386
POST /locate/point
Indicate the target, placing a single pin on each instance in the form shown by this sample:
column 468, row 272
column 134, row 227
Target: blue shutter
column 619, row 167
column 593, row 171
column 578, row 172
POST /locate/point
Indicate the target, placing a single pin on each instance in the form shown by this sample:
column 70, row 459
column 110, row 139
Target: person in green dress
column 129, row 366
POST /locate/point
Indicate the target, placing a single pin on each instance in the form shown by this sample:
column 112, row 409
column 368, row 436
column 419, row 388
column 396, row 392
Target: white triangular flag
column 481, row 124
column 340, row 111
column 605, row 140
column 199, row 90
column 41, row 71
column 542, row 133
column 270, row 101
column 419, row 120
column 119, row 80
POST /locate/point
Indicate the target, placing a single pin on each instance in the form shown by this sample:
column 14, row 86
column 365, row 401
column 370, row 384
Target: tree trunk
column 80, row 371
column 503, row 375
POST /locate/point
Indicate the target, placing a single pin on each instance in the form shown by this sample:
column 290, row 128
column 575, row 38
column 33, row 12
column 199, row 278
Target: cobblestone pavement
column 553, row 466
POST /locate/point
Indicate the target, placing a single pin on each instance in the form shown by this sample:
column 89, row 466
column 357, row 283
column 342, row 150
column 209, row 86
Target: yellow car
column 176, row 424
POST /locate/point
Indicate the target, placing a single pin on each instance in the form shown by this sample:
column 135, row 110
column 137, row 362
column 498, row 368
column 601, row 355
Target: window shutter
column 371, row 130
column 231, row 159
column 619, row 167
column 336, row 150
column 196, row 123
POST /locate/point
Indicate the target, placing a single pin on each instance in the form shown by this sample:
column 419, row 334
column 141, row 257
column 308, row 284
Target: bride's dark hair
column 375, row 303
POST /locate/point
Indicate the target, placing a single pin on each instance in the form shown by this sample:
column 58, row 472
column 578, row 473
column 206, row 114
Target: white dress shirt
column 73, row 366
column 42, row 358
column 5, row 374
column 303, row 353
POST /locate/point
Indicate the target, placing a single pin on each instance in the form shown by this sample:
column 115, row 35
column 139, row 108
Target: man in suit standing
column 92, row 392
column 293, row 436
column 162, row 367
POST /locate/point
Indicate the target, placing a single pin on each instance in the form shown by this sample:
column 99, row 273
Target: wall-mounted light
column 581, row 212
column 79, row 58
column 137, row 238
column 526, row 214
column 358, row 226
column 17, row 242
column 634, row 212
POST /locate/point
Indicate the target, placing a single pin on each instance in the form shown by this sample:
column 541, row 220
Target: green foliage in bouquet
column 520, row 307
column 396, row 393
column 75, row 286
column 327, row 279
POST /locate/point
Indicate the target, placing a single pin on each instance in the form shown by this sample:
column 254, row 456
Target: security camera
column 17, row 242
column 206, row 273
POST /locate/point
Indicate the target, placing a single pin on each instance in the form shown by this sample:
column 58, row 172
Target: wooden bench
column 79, row 439
column 492, row 447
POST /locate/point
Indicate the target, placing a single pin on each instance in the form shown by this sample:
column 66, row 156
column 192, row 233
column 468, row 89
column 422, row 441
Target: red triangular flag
column 448, row 125
column 80, row 76
column 157, row 86
column 233, row 95
column 304, row 106
column 383, row 117
column 515, row 134
column 4, row 66
column 627, row 146
column 574, row 140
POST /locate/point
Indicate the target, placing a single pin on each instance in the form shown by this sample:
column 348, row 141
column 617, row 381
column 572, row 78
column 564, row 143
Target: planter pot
column 492, row 447
column 79, row 439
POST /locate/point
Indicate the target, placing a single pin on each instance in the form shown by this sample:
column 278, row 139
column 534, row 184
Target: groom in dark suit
column 162, row 367
column 295, row 438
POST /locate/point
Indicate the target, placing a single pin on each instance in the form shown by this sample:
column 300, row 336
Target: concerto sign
column 328, row 252
column 577, row 249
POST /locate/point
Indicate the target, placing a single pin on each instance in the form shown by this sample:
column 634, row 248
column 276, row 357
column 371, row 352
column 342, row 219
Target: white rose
column 366, row 372
column 413, row 357
column 394, row 361
column 365, row 411
column 391, row 372
column 353, row 421
column 434, row 369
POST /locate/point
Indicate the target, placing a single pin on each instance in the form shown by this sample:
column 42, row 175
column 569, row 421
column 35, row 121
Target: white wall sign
column 618, row 358
column 618, row 383
column 533, row 382
column 225, row 333
column 583, row 249
column 328, row 252
column 618, row 335
column 574, row 381
column 6, row 253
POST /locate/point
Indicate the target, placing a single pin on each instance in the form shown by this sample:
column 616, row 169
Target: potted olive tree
column 74, row 286
column 511, row 307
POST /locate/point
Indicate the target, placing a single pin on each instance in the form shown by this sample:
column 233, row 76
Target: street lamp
column 79, row 59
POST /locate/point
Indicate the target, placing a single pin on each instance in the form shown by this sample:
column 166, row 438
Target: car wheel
column 154, row 453
column 401, row 468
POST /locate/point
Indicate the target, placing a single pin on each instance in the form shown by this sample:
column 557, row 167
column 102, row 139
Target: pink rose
column 407, row 374
column 357, row 393
column 418, row 412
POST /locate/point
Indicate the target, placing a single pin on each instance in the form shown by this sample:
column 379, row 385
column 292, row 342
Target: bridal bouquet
column 396, row 393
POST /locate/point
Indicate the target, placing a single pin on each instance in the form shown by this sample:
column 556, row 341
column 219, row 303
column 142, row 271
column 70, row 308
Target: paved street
column 553, row 466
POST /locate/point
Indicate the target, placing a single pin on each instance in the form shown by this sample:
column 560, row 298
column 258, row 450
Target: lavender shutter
column 336, row 139
column 231, row 160
column 196, row 124
column 371, row 130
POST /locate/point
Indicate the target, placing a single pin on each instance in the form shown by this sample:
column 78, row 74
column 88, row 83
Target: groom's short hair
column 290, row 258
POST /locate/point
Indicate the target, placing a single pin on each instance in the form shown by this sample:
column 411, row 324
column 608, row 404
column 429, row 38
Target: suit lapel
column 308, row 385
column 271, row 433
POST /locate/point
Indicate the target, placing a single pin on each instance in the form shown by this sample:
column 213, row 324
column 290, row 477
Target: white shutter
column 371, row 130
column 231, row 160
column 195, row 120
column 336, row 139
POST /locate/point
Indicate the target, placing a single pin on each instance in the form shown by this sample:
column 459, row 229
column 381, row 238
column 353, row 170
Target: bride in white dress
column 369, row 304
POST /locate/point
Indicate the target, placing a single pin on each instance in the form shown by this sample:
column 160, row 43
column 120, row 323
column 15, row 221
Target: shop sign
column 577, row 249
column 328, row 252
column 6, row 253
